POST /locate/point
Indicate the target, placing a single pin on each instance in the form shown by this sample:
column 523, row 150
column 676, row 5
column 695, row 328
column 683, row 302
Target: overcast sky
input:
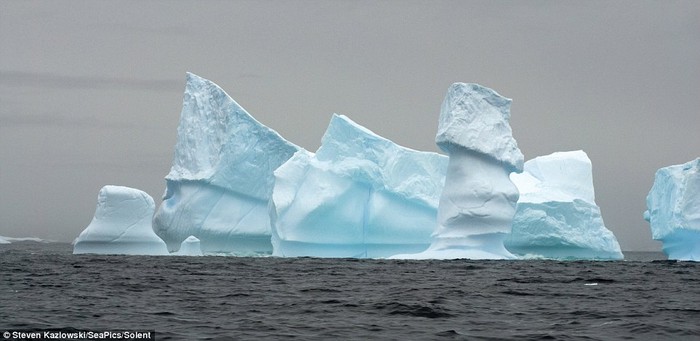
column 91, row 92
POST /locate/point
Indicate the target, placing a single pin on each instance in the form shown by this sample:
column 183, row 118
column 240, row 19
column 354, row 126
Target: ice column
column 477, row 204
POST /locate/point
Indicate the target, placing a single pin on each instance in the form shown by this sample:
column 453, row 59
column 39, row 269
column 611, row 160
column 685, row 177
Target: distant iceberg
column 189, row 247
column 556, row 215
column 121, row 225
column 478, row 200
column 673, row 210
column 360, row 195
column 221, row 177
column 8, row 240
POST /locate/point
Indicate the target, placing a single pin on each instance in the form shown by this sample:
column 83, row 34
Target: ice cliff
column 478, row 200
column 556, row 215
column 360, row 195
column 121, row 225
column 673, row 210
column 221, row 177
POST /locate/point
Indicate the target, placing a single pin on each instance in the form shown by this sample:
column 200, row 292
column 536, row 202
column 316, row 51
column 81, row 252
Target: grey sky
column 90, row 92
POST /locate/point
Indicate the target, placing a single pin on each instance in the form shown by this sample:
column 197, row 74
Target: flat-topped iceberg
column 221, row 177
column 10, row 240
column 673, row 210
column 556, row 215
column 121, row 225
column 478, row 200
column 360, row 195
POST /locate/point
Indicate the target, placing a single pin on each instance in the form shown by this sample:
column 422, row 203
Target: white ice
column 189, row 247
column 221, row 177
column 478, row 200
column 9, row 240
column 360, row 195
column 556, row 215
column 673, row 210
column 121, row 225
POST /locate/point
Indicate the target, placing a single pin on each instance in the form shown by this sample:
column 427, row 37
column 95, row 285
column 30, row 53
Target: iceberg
column 478, row 200
column 121, row 225
column 189, row 247
column 556, row 215
column 9, row 240
column 221, row 177
column 360, row 195
column 673, row 210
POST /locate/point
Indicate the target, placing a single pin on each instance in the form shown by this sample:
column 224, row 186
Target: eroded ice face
column 556, row 215
column 478, row 201
column 673, row 210
column 121, row 225
column 478, row 197
column 477, row 118
column 221, row 178
column 360, row 195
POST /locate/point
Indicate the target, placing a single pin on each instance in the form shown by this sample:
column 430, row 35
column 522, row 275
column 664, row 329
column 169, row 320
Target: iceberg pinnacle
column 475, row 118
column 360, row 195
column 121, row 225
column 478, row 200
column 556, row 215
column 673, row 210
column 222, row 174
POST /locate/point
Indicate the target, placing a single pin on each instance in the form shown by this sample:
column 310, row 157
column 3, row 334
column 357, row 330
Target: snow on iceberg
column 673, row 210
column 121, row 225
column 3, row 240
column 477, row 203
column 221, row 178
column 556, row 215
column 360, row 195
column 189, row 247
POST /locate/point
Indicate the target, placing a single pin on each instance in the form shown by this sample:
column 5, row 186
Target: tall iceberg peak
column 221, row 144
column 221, row 177
column 556, row 215
column 121, row 225
column 673, row 210
column 478, row 200
column 476, row 118
column 360, row 195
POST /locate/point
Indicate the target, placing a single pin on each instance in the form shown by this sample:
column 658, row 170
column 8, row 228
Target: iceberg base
column 304, row 249
column 682, row 244
column 145, row 248
column 484, row 246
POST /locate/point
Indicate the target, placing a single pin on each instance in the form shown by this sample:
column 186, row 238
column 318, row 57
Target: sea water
column 45, row 287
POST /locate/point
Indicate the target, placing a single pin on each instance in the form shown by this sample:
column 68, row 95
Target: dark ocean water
column 44, row 286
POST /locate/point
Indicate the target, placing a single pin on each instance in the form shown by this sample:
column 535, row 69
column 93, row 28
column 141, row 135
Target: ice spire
column 478, row 201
